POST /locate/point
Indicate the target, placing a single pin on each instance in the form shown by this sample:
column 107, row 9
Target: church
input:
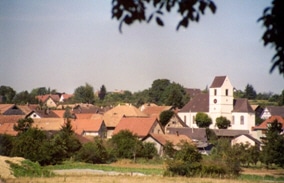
column 220, row 102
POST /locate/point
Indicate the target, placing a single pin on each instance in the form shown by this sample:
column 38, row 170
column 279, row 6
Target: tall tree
column 273, row 149
column 7, row 93
column 84, row 94
column 249, row 92
column 175, row 95
column 102, row 92
column 23, row 125
column 157, row 89
column 203, row 120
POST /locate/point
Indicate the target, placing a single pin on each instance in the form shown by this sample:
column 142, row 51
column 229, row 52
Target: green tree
column 126, row 145
column 149, row 150
column 102, row 92
column 281, row 99
column 169, row 150
column 157, row 89
column 203, row 120
column 249, row 92
column 93, row 152
column 222, row 122
column 7, row 94
column 84, row 94
column 22, row 98
column 68, row 114
column 175, row 95
column 165, row 116
column 23, row 125
column 273, row 149
column 6, row 144
column 186, row 161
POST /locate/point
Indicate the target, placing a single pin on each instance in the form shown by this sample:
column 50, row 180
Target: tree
column 84, row 94
column 157, row 89
column 222, row 122
column 249, row 92
column 175, row 95
column 102, row 92
column 6, row 144
column 22, row 98
column 273, row 149
column 23, row 125
column 126, row 145
column 7, row 94
column 149, row 150
column 93, row 152
column 165, row 116
column 272, row 20
column 281, row 99
column 135, row 10
column 203, row 120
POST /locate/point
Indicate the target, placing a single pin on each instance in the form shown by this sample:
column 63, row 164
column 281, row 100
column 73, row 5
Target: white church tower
column 221, row 99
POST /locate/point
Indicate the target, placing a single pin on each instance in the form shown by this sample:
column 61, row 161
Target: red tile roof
column 8, row 128
column 155, row 111
column 90, row 125
column 218, row 81
column 263, row 125
column 141, row 126
column 10, row 118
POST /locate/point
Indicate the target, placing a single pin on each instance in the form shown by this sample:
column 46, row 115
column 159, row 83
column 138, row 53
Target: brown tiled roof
column 155, row 111
column 276, row 110
column 49, row 124
column 141, row 126
column 229, row 132
column 242, row 105
column 43, row 98
column 114, row 115
column 192, row 92
column 218, row 81
column 192, row 133
column 5, row 107
column 175, row 139
column 81, row 125
column 46, row 114
column 59, row 113
column 8, row 128
column 10, row 118
column 263, row 125
column 200, row 103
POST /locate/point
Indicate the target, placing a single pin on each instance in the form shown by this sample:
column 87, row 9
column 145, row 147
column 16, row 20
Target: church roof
column 242, row 105
column 199, row 103
column 218, row 81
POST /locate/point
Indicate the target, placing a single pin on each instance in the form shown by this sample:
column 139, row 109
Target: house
column 114, row 115
column 13, row 109
column 197, row 135
column 272, row 111
column 140, row 126
column 175, row 121
column 49, row 100
column 160, row 140
column 89, row 127
column 262, row 128
column 229, row 133
column 154, row 111
column 219, row 102
column 246, row 139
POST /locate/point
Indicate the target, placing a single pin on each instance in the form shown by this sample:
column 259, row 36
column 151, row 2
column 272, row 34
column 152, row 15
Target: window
column 242, row 120
column 227, row 92
column 184, row 119
column 193, row 119
column 233, row 120
column 215, row 92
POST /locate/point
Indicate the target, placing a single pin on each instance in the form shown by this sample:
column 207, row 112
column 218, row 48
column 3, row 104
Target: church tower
column 221, row 99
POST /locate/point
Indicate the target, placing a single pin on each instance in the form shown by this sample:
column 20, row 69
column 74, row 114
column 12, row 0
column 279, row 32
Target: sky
column 63, row 44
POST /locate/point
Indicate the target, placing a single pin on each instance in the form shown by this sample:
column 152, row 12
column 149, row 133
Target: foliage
column 23, row 124
column 84, row 94
column 222, row 122
column 272, row 20
column 102, row 92
column 249, row 92
column 165, row 116
column 273, row 149
column 157, row 89
column 169, row 150
column 6, row 144
column 29, row 169
column 30, row 145
column 130, row 11
column 203, row 120
column 7, row 94
column 93, row 152
column 186, row 161
column 126, row 145
column 23, row 98
column 67, row 114
column 149, row 150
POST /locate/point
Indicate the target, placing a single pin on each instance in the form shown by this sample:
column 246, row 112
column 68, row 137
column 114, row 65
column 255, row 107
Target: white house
column 220, row 102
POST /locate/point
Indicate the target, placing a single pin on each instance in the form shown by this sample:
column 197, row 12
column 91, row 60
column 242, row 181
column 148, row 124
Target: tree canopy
column 222, row 122
column 84, row 94
column 203, row 120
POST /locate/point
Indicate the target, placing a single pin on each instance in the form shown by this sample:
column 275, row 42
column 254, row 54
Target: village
column 89, row 121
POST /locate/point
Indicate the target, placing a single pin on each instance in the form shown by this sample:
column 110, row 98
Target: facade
column 220, row 102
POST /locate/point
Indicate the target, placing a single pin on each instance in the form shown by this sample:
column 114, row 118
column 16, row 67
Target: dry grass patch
column 5, row 170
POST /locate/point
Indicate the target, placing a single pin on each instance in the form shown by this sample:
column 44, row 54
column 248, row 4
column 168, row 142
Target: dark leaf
column 159, row 21
column 159, row 12
column 150, row 18
column 212, row 6
column 202, row 6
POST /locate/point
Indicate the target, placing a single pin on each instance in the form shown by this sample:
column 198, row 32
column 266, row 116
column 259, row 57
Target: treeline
column 183, row 159
column 161, row 92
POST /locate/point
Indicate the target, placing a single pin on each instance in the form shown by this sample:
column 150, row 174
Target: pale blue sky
column 64, row 44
